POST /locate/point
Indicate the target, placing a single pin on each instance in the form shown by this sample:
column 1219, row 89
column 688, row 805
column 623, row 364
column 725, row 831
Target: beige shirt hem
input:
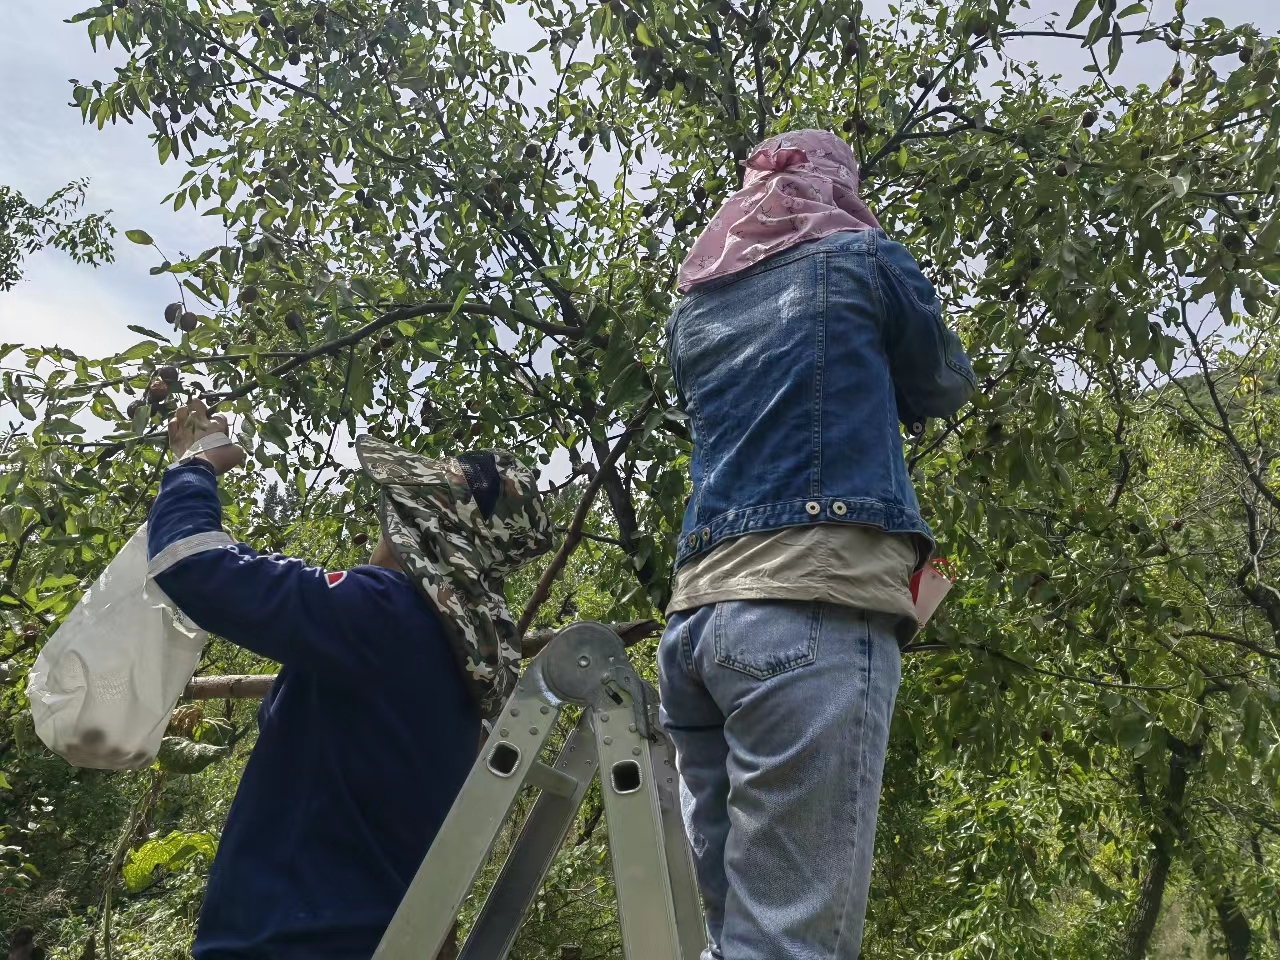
column 847, row 564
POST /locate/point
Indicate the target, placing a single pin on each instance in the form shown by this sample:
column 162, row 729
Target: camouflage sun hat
column 458, row 527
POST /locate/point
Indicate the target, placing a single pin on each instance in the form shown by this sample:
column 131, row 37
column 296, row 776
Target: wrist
column 203, row 462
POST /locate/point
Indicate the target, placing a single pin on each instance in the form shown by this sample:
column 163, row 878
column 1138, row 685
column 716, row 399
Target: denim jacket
column 795, row 374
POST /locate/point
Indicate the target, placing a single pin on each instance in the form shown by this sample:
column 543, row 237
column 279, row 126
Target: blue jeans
column 780, row 716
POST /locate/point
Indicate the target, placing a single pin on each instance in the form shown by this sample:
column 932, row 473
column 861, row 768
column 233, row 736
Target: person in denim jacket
column 806, row 336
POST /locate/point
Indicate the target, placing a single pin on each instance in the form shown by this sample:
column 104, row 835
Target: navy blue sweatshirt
column 364, row 740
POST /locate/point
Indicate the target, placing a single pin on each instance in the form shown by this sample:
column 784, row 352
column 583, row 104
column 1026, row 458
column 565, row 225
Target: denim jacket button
column 706, row 534
column 839, row 509
column 813, row 508
column 693, row 539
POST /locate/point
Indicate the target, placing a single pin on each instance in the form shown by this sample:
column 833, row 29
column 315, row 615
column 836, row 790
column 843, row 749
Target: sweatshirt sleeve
column 274, row 605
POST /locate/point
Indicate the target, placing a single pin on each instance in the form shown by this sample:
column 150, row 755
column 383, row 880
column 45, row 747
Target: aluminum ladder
column 618, row 738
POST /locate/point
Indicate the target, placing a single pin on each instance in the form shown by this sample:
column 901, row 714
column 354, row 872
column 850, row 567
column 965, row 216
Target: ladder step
column 551, row 780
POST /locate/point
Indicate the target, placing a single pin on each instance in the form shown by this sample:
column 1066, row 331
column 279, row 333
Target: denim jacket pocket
column 768, row 637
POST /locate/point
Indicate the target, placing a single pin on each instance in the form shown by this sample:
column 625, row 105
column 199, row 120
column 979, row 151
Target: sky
column 44, row 145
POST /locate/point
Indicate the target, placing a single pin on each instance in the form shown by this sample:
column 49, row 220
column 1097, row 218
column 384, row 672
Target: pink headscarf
column 799, row 186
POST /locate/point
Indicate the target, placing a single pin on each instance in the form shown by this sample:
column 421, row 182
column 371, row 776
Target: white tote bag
column 103, row 687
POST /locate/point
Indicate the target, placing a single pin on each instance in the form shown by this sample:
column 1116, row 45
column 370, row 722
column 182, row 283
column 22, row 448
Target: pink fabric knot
column 814, row 172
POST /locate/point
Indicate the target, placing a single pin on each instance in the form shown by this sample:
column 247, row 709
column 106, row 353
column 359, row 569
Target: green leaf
column 1131, row 732
column 274, row 431
column 1252, row 723
column 167, row 853
column 149, row 333
column 1269, row 236
column 11, row 521
column 1098, row 27
column 1082, row 10
column 524, row 307
column 1115, row 47
column 139, row 236
column 182, row 756
column 643, row 35
column 458, row 301
column 1132, row 10
column 139, row 351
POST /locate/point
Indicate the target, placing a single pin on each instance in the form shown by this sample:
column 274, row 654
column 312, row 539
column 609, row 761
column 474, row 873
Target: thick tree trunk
column 1235, row 925
column 1272, row 914
column 1146, row 909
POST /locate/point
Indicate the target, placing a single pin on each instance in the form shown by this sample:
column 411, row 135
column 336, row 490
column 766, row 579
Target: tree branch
column 249, row 687
column 336, row 344
column 1267, row 493
column 574, row 536
column 1230, row 638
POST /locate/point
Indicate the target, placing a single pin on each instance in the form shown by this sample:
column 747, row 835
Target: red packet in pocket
column 929, row 586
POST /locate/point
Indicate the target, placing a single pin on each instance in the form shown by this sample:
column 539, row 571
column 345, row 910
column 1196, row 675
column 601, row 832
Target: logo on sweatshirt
column 333, row 579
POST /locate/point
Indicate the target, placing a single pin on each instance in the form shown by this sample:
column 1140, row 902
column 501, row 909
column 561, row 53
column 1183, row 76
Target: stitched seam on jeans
column 860, row 751
column 816, row 619
column 684, row 640
column 786, row 666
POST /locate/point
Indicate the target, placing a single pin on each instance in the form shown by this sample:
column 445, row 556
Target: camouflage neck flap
column 457, row 556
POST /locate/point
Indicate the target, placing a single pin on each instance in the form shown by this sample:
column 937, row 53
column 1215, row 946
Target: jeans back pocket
column 767, row 638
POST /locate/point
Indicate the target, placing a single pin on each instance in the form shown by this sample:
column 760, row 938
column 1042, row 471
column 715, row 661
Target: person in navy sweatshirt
column 367, row 734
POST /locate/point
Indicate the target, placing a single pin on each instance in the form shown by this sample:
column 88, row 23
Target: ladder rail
column 637, row 847
column 430, row 906
column 690, row 925
column 618, row 739
column 541, row 837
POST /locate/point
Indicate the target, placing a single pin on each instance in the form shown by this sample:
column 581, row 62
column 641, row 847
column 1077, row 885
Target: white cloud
column 45, row 146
